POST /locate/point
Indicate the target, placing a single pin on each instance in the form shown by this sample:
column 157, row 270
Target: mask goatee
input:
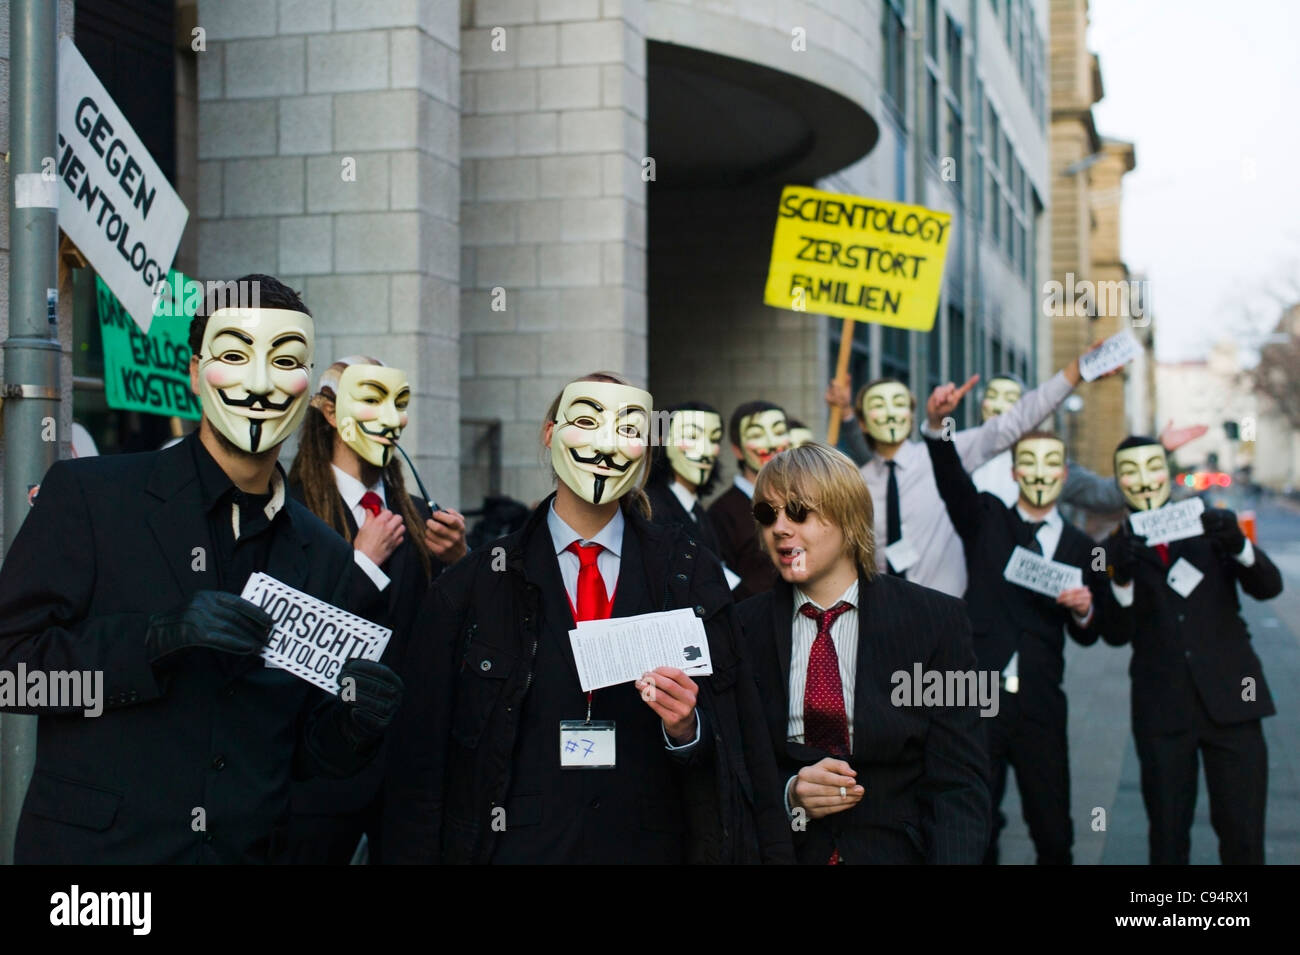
column 254, row 435
column 598, row 489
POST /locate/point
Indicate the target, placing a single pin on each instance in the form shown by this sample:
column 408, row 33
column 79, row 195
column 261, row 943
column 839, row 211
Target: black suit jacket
column 1005, row 617
column 393, row 607
column 481, row 688
column 732, row 515
column 110, row 541
column 666, row 510
column 1198, row 645
column 923, row 768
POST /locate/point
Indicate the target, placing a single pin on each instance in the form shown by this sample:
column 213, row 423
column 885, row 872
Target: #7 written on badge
column 312, row 639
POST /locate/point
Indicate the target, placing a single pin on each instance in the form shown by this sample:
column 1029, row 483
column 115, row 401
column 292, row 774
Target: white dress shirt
column 352, row 491
column 684, row 495
column 941, row 560
column 745, row 485
column 607, row 562
column 844, row 635
column 995, row 476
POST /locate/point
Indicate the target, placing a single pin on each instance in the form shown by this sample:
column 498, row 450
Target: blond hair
column 824, row 480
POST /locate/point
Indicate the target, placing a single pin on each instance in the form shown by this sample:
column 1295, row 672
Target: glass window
column 934, row 353
column 932, row 29
column 894, row 37
column 956, row 344
column 932, row 116
column 953, row 76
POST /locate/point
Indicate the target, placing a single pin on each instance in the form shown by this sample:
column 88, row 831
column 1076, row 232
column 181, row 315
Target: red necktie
column 370, row 501
column 825, row 722
column 1163, row 551
column 593, row 602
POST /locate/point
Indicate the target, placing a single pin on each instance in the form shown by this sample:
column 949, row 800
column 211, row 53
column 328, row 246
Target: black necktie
column 1030, row 533
column 893, row 518
column 697, row 512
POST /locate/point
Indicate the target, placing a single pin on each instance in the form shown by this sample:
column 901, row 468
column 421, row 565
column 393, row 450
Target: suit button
column 207, row 837
column 1188, row 654
column 689, row 556
column 1180, row 618
column 218, row 763
column 681, row 576
column 595, row 803
column 485, row 665
column 230, row 691
column 699, row 610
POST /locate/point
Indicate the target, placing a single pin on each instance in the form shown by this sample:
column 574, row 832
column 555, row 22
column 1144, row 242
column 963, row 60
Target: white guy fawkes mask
column 1142, row 473
column 1040, row 469
column 887, row 410
column 801, row 436
column 694, row 440
column 763, row 436
column 1000, row 395
column 599, row 442
column 370, row 408
column 255, row 374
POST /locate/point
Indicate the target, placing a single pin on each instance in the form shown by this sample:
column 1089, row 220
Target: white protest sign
column 1173, row 522
column 620, row 649
column 1183, row 577
column 1115, row 352
column 312, row 639
column 1037, row 573
column 114, row 201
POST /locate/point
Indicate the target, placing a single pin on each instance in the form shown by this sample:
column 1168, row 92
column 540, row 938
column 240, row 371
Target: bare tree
column 1277, row 376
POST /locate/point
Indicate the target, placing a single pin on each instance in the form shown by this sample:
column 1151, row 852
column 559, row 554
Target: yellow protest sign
column 865, row 259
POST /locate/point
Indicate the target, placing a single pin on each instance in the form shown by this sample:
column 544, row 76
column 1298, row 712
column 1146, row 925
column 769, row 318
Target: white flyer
column 1173, row 522
column 1115, row 352
column 1035, row 572
column 1183, row 577
column 620, row 649
column 312, row 639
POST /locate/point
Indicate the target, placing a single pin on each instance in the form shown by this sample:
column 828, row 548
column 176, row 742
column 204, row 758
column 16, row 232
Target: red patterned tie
column 371, row 503
column 593, row 602
column 825, row 722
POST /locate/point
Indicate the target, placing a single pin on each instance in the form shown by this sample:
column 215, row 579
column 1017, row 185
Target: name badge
column 1183, row 577
column 586, row 745
column 901, row 554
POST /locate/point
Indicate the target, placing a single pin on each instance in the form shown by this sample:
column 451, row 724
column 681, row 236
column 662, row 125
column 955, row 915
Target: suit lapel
column 872, row 624
column 179, row 524
column 632, row 594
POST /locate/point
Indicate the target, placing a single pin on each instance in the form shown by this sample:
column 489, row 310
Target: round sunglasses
column 765, row 513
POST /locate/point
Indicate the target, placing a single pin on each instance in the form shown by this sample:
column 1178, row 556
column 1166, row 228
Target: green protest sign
column 147, row 371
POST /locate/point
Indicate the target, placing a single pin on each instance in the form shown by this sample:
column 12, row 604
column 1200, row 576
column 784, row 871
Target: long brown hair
column 312, row 472
column 635, row 497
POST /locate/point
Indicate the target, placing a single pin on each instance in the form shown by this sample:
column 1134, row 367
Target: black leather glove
column 1222, row 529
column 368, row 703
column 211, row 619
column 1122, row 555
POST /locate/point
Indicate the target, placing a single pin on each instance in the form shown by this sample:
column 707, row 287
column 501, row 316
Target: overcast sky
column 1209, row 93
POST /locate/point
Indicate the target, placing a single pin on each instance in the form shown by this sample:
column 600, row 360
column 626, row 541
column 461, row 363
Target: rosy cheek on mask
column 572, row 437
column 297, row 384
column 401, row 421
column 634, row 449
column 221, row 376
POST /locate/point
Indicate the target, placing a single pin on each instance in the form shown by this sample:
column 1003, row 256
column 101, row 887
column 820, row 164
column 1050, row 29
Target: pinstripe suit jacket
column 923, row 768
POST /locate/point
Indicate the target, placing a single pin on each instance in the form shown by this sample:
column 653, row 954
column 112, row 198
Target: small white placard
column 312, row 639
column 901, row 554
column 1035, row 572
column 621, row 649
column 1173, row 522
column 1183, row 577
column 34, row 191
column 1115, row 352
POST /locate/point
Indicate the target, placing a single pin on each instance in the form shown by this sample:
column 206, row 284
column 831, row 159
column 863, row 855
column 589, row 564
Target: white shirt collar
column 610, row 536
column 1052, row 519
column 273, row 506
column 849, row 596
column 353, row 490
column 683, row 494
column 744, row 484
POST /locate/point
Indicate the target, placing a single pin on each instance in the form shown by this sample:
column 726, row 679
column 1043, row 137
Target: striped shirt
column 844, row 635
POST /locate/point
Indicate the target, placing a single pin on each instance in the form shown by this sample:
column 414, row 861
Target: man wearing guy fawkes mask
column 486, row 772
column 131, row 566
column 1019, row 632
column 683, row 470
column 348, row 472
column 758, row 431
column 1083, row 489
column 1198, row 686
